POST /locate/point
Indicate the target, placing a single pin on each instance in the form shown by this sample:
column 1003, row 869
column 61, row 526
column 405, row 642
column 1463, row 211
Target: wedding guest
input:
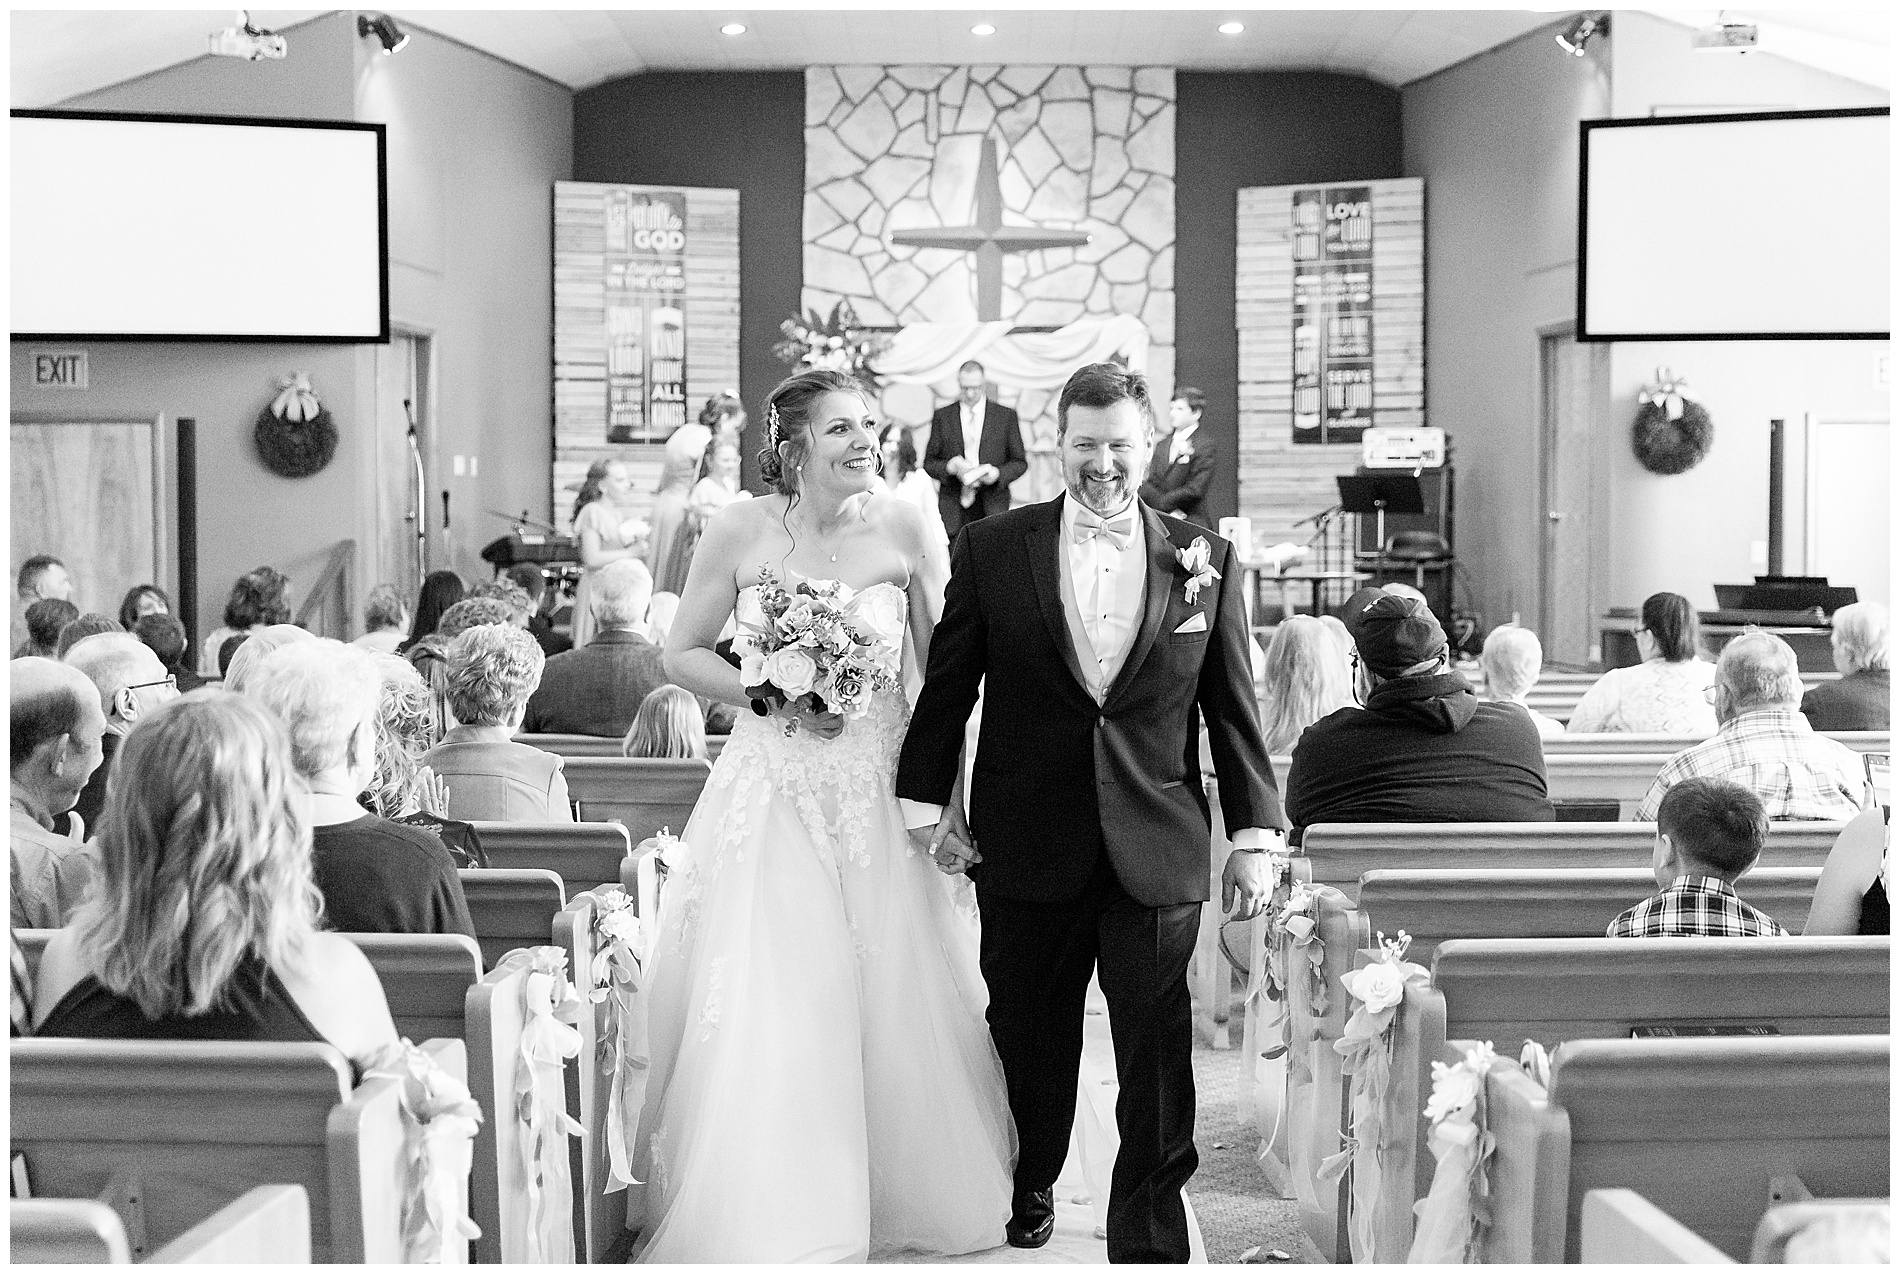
column 1852, row 895
column 905, row 478
column 377, row 876
column 440, row 590
column 259, row 597
column 534, row 583
column 725, row 416
column 1179, row 477
column 209, row 823
column 142, row 600
column 602, row 534
column 430, row 658
column 166, row 637
column 472, row 611
column 505, row 590
column 493, row 668
column 55, row 730
column 42, row 577
column 405, row 730
column 1306, row 677
column 679, row 473
column 131, row 684
column 385, row 621
column 1859, row 700
column 255, row 648
column 598, row 688
column 1764, row 742
column 88, row 625
column 1511, row 660
column 1664, row 694
column 669, row 724
column 1709, row 832
column 44, row 620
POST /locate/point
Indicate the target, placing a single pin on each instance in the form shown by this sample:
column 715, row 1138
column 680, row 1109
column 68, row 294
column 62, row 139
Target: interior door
column 401, row 389
column 94, row 494
column 1573, row 382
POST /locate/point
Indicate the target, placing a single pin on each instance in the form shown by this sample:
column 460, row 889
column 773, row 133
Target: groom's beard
column 1103, row 493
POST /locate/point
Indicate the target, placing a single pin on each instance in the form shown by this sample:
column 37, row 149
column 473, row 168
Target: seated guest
column 668, row 725
column 377, row 876
column 534, row 583
column 1851, row 896
column 254, row 648
column 503, row 589
column 493, row 668
column 1424, row 750
column 440, row 590
column 1764, row 743
column 430, row 658
column 1307, row 676
column 1708, row 833
column 131, row 684
column 385, row 621
column 204, row 926
column 142, row 600
column 41, row 578
column 1512, row 659
column 1664, row 694
column 258, row 598
column 166, row 638
column 473, row 611
column 405, row 729
column 598, row 688
column 55, row 728
column 44, row 620
column 87, row 625
column 1858, row 701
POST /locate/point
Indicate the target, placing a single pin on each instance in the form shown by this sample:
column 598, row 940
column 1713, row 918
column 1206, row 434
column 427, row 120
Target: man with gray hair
column 1859, row 700
column 132, row 681
column 598, row 688
column 493, row 668
column 1764, row 743
column 54, row 731
column 385, row 621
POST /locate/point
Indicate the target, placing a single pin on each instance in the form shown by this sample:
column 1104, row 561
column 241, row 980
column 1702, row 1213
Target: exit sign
column 60, row 369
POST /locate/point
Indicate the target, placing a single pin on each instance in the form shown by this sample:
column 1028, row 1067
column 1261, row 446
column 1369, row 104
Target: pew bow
column 1365, row 1049
column 618, row 979
column 439, row 1119
column 1453, row 1217
column 298, row 401
column 1664, row 392
column 549, row 1007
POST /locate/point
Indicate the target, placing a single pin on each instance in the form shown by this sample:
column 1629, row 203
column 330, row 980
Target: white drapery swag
column 927, row 353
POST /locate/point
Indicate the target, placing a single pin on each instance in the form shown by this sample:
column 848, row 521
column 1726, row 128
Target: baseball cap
column 1392, row 633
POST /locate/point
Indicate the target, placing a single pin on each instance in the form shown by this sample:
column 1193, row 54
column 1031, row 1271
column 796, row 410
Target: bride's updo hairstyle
column 787, row 424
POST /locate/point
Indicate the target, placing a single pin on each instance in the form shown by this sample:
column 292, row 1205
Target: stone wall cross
column 988, row 237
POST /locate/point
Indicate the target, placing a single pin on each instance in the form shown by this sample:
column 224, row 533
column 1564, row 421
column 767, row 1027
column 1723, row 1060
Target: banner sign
column 1332, row 314
column 646, row 314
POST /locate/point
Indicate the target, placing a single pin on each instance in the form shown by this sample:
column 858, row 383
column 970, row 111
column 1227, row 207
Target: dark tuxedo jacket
column 1180, row 488
column 1059, row 780
column 1001, row 445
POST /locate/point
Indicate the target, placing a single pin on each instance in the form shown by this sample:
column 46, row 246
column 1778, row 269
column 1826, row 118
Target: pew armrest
column 365, row 1138
column 66, row 1232
column 1855, row 1218
column 1622, row 1227
column 267, row 1225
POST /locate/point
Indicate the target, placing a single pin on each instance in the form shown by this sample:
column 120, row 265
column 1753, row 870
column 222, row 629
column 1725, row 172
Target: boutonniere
column 1197, row 559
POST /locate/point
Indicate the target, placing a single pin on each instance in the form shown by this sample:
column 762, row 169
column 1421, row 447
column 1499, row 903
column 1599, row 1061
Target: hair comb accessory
column 771, row 424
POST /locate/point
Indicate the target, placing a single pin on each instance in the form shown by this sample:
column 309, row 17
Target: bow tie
column 1120, row 532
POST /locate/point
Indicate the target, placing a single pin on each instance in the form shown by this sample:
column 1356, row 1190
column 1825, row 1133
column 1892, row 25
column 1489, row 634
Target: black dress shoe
column 1034, row 1218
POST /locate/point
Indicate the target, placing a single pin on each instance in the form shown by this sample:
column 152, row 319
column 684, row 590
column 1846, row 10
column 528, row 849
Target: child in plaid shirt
column 1708, row 833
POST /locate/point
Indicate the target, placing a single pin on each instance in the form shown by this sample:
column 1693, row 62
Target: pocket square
column 1197, row 624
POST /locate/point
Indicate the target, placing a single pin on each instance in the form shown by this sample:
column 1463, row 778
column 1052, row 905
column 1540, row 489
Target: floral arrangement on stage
column 836, row 343
column 821, row 645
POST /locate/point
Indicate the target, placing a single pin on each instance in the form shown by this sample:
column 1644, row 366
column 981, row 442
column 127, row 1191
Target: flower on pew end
column 1299, row 926
column 1378, row 986
column 1453, row 1104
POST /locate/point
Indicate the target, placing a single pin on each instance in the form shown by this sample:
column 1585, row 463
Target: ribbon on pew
column 621, row 1049
column 1295, row 956
column 439, row 1120
column 1365, row 1048
column 549, row 1007
column 1453, row 1217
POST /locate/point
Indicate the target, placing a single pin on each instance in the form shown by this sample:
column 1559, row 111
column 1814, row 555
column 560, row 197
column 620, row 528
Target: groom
column 1101, row 636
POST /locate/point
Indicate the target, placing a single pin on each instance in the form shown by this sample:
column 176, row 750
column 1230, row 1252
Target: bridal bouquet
column 818, row 645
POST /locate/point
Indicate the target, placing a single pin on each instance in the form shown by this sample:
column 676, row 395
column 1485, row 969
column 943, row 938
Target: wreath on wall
column 1672, row 434
column 295, row 436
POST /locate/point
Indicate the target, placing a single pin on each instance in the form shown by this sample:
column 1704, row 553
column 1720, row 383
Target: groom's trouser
column 1037, row 958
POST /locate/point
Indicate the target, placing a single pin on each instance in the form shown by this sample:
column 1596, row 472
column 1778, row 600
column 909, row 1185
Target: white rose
column 877, row 614
column 1454, row 1089
column 1197, row 556
column 1377, row 986
column 751, row 669
column 791, row 670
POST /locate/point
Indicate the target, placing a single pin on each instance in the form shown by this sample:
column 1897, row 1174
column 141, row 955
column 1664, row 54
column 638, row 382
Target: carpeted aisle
column 1229, row 1192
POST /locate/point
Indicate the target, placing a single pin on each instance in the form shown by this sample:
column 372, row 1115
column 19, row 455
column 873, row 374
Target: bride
column 823, row 1086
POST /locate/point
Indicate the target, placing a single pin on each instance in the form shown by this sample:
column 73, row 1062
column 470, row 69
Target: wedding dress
column 822, row 1084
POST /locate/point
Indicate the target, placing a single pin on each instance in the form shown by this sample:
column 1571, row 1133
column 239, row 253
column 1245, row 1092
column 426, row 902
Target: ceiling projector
column 253, row 44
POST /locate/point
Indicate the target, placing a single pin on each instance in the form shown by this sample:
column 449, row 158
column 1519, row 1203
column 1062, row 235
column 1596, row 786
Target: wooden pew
column 1433, row 906
column 1621, row 1227
column 1339, row 854
column 583, row 855
column 596, row 745
column 189, row 1127
column 604, row 1216
column 1312, row 1110
column 425, row 977
column 269, row 1225
column 1624, row 777
column 511, row 907
column 1698, row 1127
column 1783, row 1222
column 644, row 796
column 1670, row 744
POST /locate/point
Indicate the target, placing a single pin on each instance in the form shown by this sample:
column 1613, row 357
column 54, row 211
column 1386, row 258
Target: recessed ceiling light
column 1231, row 28
column 733, row 28
column 982, row 28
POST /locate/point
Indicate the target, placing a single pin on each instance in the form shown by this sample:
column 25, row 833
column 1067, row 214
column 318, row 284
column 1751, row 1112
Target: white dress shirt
column 1180, row 443
column 972, row 432
column 1101, row 592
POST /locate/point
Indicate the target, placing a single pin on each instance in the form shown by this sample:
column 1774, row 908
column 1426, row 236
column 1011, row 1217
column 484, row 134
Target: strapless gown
column 822, row 1086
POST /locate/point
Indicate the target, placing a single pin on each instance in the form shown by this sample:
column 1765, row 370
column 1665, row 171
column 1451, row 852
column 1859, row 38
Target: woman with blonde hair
column 668, row 724
column 1307, row 678
column 204, row 924
column 406, row 727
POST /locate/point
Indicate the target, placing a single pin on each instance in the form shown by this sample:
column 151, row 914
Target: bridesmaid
column 597, row 527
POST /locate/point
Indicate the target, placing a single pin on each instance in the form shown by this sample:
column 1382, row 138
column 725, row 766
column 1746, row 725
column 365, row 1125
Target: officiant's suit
column 1088, row 812
column 999, row 441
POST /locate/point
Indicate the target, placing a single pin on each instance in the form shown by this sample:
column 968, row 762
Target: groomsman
column 975, row 452
column 1182, row 467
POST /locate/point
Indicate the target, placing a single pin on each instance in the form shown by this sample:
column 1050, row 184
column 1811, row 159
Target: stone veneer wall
column 891, row 148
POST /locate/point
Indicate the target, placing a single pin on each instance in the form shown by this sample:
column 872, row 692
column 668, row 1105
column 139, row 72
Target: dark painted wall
column 730, row 129
column 1237, row 129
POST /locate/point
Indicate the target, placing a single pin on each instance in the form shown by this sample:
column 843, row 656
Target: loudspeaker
column 1437, row 486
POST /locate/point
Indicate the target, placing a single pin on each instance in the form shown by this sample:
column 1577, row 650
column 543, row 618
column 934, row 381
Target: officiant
column 975, row 452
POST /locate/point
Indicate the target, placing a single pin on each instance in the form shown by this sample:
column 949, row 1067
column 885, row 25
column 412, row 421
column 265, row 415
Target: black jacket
column 1423, row 750
column 1058, row 779
column 1858, row 701
column 1001, row 445
column 1181, row 487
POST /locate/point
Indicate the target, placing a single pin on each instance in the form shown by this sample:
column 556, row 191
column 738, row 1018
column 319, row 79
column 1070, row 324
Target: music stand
column 1379, row 493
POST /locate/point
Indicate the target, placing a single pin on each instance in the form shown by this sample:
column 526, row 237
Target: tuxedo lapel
column 1043, row 541
column 1161, row 575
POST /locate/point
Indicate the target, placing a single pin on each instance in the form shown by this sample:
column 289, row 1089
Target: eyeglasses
column 1712, row 691
column 171, row 679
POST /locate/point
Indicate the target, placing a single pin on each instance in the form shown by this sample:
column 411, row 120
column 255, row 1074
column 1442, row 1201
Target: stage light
column 733, row 28
column 982, row 28
column 1231, row 28
column 384, row 28
column 1578, row 34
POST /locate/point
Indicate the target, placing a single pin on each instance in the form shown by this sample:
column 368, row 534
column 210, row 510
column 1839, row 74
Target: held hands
column 795, row 717
column 949, row 842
